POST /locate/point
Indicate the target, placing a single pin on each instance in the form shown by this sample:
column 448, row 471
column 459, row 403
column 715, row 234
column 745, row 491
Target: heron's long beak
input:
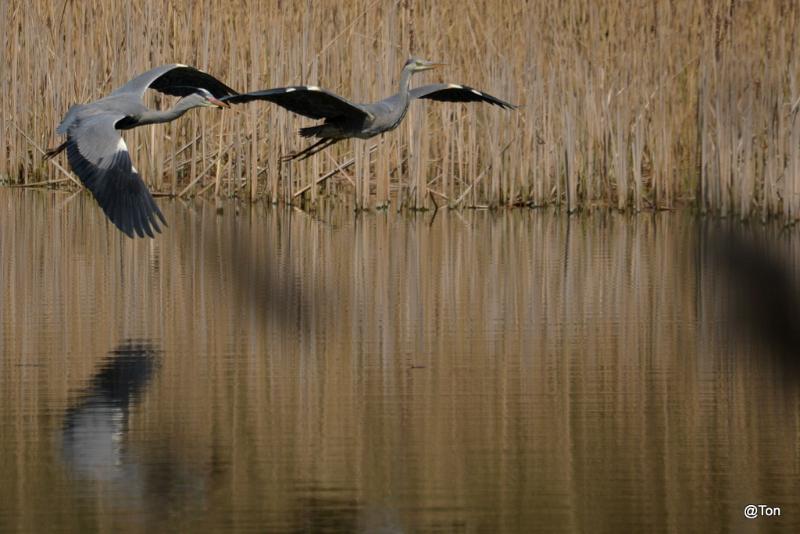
column 219, row 103
column 432, row 65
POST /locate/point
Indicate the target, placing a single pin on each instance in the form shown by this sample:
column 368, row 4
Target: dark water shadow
column 249, row 255
column 749, row 271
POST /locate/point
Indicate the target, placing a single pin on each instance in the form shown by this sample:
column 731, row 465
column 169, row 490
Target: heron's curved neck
column 405, row 81
column 155, row 117
column 399, row 112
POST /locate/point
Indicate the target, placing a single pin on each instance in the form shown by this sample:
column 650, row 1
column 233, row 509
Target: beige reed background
column 629, row 104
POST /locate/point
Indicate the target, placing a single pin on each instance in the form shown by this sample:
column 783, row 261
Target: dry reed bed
column 625, row 104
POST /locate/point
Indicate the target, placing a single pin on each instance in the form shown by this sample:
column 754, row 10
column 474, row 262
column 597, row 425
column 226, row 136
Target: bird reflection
column 93, row 435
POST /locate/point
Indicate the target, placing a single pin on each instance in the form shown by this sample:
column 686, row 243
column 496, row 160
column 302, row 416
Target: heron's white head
column 418, row 65
column 202, row 97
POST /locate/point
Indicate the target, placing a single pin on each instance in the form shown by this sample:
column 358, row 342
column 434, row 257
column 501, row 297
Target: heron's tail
column 311, row 131
column 53, row 152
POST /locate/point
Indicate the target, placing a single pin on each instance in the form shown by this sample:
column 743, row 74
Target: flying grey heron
column 345, row 119
column 99, row 156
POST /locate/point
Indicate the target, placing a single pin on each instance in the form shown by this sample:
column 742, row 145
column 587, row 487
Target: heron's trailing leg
column 295, row 155
column 321, row 148
column 53, row 152
column 307, row 152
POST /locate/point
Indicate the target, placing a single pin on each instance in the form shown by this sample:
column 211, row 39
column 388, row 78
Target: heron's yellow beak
column 428, row 65
column 218, row 103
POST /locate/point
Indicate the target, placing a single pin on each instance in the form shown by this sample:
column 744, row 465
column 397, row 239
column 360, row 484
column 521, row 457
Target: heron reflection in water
column 93, row 434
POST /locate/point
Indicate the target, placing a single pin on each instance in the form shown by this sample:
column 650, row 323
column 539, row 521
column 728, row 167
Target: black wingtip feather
column 134, row 212
column 308, row 101
column 155, row 210
column 184, row 80
column 144, row 222
column 310, row 131
column 459, row 93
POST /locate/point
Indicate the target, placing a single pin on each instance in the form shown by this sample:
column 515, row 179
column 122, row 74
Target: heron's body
column 99, row 156
column 388, row 113
column 344, row 119
column 380, row 117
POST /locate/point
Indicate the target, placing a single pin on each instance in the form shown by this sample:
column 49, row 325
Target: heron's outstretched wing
column 176, row 80
column 307, row 100
column 99, row 156
column 450, row 92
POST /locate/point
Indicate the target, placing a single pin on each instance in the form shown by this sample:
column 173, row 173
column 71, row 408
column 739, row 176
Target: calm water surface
column 270, row 370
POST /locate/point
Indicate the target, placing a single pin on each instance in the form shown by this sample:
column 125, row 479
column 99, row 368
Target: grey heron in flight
column 344, row 119
column 99, row 156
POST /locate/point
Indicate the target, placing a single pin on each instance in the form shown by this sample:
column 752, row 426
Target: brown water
column 269, row 370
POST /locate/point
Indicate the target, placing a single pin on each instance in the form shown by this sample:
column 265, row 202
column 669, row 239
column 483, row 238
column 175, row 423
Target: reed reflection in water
column 524, row 371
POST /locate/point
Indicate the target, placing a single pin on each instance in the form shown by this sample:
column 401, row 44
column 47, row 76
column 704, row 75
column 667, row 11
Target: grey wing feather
column 69, row 119
column 176, row 80
column 449, row 92
column 98, row 155
column 309, row 101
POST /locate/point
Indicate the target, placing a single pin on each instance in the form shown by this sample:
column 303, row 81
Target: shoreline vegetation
column 632, row 106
